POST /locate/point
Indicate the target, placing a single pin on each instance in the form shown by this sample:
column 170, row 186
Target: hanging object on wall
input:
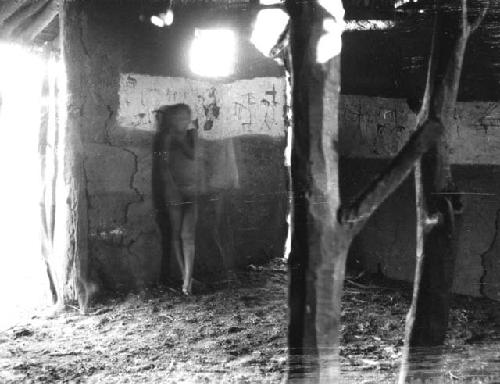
column 164, row 19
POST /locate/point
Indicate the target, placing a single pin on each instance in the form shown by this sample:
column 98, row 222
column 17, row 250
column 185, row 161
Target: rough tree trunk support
column 438, row 206
column 75, row 281
column 317, row 257
column 322, row 231
column 442, row 201
column 322, row 227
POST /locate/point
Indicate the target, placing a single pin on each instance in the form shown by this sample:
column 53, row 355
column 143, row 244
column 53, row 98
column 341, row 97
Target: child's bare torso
column 180, row 163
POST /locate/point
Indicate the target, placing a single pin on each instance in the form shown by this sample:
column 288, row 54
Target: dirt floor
column 233, row 334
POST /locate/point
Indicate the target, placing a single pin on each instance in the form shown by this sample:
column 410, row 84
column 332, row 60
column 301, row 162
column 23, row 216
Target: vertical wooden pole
column 319, row 243
column 75, row 59
column 438, row 207
column 441, row 199
column 48, row 163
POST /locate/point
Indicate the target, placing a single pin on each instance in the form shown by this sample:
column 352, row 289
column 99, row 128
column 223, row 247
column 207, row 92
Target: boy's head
column 175, row 117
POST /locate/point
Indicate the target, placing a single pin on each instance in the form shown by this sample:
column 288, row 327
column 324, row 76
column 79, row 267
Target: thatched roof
column 25, row 20
column 36, row 21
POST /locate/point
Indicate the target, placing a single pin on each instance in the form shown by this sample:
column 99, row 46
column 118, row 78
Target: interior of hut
column 250, row 191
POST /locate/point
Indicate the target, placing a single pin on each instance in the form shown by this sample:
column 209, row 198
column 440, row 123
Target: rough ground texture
column 235, row 334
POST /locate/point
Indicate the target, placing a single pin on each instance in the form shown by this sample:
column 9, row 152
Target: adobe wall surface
column 127, row 68
column 372, row 130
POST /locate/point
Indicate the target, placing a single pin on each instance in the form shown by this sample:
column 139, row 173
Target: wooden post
column 48, row 143
column 75, row 277
column 322, row 229
column 441, row 200
column 438, row 207
column 319, row 249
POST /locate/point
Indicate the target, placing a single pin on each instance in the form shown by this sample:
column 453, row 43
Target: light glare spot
column 158, row 21
column 368, row 25
column 23, row 285
column 330, row 44
column 268, row 27
column 213, row 52
column 270, row 2
column 400, row 3
column 329, row 25
column 168, row 19
column 334, row 8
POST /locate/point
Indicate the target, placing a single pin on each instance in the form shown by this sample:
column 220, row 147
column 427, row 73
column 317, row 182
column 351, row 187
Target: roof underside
column 36, row 21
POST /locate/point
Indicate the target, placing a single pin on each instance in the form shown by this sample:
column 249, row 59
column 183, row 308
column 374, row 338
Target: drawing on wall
column 491, row 120
column 219, row 110
column 210, row 109
column 375, row 127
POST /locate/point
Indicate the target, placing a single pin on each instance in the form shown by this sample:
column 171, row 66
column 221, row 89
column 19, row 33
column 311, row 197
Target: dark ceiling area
column 393, row 62
column 389, row 63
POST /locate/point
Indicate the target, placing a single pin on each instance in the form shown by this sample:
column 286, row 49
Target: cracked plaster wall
column 125, row 243
column 375, row 128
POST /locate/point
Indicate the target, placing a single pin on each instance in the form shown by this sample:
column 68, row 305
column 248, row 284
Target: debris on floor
column 232, row 333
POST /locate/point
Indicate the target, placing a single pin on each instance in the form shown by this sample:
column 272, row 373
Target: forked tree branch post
column 322, row 228
column 319, row 244
column 441, row 201
column 438, row 205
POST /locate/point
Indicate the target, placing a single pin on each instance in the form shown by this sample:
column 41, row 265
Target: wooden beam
column 76, row 284
column 321, row 232
column 438, row 216
column 431, row 322
column 40, row 21
column 8, row 7
column 18, row 18
column 359, row 211
column 318, row 252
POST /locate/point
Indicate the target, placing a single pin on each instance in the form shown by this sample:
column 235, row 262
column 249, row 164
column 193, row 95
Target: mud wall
column 127, row 68
column 119, row 54
column 372, row 130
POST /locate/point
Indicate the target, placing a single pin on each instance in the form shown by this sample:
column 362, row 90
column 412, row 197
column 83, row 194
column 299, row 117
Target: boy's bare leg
column 175, row 215
column 188, row 236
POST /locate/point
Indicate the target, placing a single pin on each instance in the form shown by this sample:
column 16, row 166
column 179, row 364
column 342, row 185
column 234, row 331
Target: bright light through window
column 213, row 52
column 23, row 285
column 268, row 27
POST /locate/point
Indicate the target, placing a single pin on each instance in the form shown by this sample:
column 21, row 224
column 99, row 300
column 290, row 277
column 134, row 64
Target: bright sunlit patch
column 400, row 3
column 369, row 25
column 213, row 52
column 163, row 19
column 158, row 21
column 330, row 44
column 334, row 8
column 23, row 284
column 268, row 27
column 270, row 2
column 168, row 19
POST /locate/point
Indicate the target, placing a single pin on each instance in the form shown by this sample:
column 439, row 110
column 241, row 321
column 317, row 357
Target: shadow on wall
column 242, row 205
column 387, row 243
